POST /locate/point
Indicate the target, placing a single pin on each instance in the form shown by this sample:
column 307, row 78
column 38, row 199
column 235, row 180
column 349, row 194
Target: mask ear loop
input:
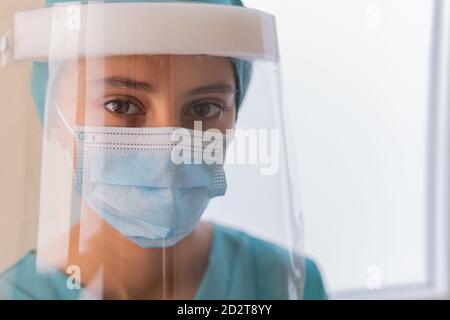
column 71, row 131
column 64, row 120
column 54, row 70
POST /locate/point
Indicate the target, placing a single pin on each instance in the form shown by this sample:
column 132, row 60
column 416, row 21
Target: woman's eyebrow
column 123, row 83
column 212, row 88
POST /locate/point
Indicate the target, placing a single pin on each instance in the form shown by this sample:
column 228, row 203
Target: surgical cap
column 40, row 74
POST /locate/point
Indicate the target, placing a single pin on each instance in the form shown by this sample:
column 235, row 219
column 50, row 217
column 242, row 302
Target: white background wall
column 356, row 80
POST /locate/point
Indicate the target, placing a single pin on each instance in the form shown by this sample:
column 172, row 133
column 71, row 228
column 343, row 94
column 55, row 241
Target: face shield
column 165, row 171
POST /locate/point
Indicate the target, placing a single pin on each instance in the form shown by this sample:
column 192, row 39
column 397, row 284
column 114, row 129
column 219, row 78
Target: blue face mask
column 129, row 178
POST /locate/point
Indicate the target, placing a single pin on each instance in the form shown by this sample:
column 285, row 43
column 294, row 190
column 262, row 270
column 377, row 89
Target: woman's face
column 148, row 91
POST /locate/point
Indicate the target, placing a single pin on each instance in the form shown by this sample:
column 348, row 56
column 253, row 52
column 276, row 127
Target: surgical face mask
column 127, row 176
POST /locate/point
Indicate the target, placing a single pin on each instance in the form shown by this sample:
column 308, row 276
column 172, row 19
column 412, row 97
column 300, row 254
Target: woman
column 137, row 237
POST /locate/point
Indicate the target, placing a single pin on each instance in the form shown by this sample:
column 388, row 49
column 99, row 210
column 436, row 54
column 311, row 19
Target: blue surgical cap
column 40, row 74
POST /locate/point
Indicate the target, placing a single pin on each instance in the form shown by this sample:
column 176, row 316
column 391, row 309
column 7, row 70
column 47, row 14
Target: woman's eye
column 205, row 110
column 124, row 107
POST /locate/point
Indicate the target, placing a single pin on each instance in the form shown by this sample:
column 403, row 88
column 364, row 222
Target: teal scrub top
column 240, row 267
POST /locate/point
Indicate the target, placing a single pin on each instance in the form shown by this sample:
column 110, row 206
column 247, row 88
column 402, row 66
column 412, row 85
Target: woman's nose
column 164, row 114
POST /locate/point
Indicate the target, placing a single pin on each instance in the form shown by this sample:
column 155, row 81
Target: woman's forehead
column 192, row 68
